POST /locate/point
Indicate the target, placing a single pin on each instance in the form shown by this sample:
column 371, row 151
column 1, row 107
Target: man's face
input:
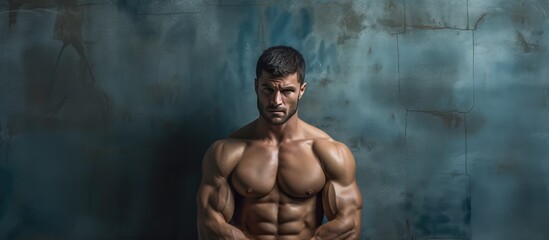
column 278, row 97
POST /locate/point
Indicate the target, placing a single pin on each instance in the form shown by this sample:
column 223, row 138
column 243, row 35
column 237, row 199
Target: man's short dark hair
column 281, row 61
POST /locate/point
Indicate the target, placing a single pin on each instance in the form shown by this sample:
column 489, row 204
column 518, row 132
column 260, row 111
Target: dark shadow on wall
column 176, row 174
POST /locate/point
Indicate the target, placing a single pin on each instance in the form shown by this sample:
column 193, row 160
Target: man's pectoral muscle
column 341, row 199
column 215, row 198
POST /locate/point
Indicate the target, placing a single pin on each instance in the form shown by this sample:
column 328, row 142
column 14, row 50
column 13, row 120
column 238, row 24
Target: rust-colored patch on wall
column 520, row 13
column 525, row 46
column 352, row 24
column 394, row 17
column 324, row 82
column 450, row 119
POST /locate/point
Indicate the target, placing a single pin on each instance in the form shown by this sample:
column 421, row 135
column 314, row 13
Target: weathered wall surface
column 106, row 107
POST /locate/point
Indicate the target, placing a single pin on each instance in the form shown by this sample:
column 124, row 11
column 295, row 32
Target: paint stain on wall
column 376, row 68
column 351, row 24
column 450, row 119
column 524, row 45
column 324, row 82
column 68, row 29
column 59, row 85
column 394, row 16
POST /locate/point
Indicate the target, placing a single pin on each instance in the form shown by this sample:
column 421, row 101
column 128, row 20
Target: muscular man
column 277, row 177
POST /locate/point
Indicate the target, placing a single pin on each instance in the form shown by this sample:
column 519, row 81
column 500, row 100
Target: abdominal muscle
column 277, row 216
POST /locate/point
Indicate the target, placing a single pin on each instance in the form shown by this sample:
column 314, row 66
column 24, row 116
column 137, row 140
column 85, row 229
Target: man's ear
column 302, row 90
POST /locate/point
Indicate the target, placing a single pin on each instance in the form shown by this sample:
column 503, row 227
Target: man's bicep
column 340, row 200
column 216, row 200
column 341, row 195
column 214, row 193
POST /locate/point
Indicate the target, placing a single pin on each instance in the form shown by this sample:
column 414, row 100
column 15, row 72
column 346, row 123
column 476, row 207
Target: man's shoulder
column 223, row 155
column 329, row 148
column 223, row 147
column 336, row 158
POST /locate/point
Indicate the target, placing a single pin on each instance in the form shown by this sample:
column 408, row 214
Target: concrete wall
column 106, row 107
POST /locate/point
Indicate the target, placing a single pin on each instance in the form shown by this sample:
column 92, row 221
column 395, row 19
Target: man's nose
column 276, row 98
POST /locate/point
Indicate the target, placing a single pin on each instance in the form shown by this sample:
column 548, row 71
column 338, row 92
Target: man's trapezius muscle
column 277, row 177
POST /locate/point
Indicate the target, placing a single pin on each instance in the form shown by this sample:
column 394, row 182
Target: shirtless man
column 277, row 177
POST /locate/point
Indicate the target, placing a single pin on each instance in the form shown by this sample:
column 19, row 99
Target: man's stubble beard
column 263, row 114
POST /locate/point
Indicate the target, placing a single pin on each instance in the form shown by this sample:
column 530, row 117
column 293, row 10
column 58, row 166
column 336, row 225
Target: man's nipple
column 249, row 190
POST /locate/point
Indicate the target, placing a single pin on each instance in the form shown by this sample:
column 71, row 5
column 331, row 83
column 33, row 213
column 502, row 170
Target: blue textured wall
column 106, row 107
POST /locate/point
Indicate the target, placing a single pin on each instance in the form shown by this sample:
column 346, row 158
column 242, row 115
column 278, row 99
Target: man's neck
column 278, row 133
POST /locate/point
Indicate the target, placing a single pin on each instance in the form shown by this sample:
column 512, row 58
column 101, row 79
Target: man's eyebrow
column 283, row 88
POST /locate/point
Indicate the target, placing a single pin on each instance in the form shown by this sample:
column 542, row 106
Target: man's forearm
column 338, row 228
column 219, row 230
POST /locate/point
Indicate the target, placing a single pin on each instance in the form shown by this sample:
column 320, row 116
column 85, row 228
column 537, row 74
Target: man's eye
column 287, row 91
column 269, row 90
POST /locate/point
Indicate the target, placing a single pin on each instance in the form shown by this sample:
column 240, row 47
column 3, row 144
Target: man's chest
column 291, row 169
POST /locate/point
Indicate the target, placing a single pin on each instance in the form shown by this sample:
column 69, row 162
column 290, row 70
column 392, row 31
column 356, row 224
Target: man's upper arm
column 341, row 195
column 215, row 198
column 214, row 194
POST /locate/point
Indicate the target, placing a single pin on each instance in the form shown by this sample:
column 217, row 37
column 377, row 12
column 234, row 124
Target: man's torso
column 277, row 188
